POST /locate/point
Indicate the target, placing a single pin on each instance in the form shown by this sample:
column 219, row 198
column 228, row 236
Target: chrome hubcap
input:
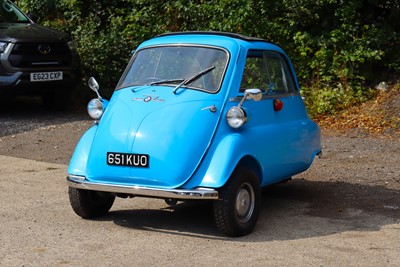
column 244, row 202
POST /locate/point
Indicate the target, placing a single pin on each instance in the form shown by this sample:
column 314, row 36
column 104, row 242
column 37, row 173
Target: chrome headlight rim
column 95, row 108
column 236, row 117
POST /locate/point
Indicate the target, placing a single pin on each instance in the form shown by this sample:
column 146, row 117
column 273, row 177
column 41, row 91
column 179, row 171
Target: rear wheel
column 90, row 204
column 236, row 211
column 171, row 201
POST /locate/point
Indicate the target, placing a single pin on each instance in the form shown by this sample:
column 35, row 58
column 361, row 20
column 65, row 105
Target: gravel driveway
column 344, row 211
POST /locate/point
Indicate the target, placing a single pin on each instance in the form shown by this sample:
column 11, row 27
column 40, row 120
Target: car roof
column 227, row 34
column 232, row 42
column 207, row 37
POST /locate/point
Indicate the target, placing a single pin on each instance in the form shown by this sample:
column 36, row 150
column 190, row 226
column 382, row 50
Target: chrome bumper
column 189, row 194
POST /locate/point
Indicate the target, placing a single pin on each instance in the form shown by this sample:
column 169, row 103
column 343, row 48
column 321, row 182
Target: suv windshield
column 199, row 68
column 9, row 13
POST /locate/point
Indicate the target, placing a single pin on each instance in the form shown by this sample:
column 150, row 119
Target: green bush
column 340, row 49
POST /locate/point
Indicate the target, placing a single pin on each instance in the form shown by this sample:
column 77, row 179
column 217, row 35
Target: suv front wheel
column 57, row 99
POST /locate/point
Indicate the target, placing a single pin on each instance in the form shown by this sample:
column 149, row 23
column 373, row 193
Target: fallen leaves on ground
column 379, row 116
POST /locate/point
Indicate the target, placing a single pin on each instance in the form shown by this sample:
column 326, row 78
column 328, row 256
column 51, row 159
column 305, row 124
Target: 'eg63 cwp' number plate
column 125, row 159
column 46, row 76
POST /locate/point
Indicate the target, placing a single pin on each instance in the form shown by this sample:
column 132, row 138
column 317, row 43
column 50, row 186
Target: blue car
column 196, row 116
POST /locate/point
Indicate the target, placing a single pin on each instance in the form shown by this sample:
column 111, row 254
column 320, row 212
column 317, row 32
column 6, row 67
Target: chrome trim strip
column 198, row 193
column 269, row 96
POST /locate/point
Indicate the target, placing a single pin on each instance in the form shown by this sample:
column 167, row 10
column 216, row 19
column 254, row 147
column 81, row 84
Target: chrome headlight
column 95, row 108
column 3, row 46
column 236, row 117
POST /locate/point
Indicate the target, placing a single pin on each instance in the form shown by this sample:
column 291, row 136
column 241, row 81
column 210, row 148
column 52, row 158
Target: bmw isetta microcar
column 196, row 116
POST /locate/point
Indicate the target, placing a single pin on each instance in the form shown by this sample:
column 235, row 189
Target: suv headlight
column 72, row 45
column 236, row 117
column 95, row 108
column 3, row 46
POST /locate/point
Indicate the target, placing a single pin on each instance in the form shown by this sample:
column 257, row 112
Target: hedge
column 340, row 49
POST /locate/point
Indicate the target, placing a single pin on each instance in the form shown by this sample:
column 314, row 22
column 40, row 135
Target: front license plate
column 46, row 76
column 125, row 159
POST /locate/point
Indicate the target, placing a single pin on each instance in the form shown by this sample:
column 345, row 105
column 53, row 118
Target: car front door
column 279, row 121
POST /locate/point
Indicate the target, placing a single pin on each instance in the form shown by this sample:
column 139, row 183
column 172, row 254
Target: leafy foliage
column 339, row 48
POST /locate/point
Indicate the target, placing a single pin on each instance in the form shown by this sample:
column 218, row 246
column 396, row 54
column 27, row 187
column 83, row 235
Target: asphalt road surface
column 38, row 228
column 344, row 211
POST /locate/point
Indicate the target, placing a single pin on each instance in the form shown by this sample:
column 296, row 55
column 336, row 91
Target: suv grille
column 39, row 55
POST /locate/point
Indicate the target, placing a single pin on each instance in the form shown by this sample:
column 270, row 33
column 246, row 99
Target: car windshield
column 194, row 67
column 10, row 13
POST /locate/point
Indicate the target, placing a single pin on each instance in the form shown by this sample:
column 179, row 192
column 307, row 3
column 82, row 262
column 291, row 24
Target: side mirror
column 7, row 7
column 236, row 116
column 33, row 17
column 94, row 86
column 254, row 94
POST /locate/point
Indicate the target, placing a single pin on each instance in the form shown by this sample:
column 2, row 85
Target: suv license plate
column 46, row 76
column 125, row 159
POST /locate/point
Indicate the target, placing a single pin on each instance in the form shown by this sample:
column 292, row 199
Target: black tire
column 236, row 211
column 171, row 201
column 57, row 100
column 90, row 204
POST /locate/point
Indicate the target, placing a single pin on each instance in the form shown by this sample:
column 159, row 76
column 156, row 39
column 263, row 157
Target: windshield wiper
column 192, row 78
column 167, row 81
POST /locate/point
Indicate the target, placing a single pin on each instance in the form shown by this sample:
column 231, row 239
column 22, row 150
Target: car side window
column 268, row 71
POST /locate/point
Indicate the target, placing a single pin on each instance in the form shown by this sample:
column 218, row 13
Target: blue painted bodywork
column 189, row 146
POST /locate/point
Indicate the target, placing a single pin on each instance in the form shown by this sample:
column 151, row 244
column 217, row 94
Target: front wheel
column 236, row 211
column 90, row 204
column 58, row 100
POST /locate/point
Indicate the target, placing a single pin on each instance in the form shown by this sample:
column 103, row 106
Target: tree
column 339, row 48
